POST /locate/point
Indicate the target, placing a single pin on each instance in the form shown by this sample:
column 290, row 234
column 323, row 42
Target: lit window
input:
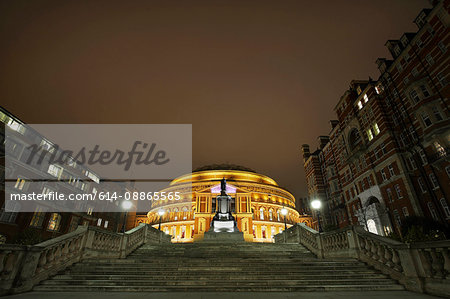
column 16, row 126
column 440, row 149
column 55, row 220
column 270, row 215
column 376, row 129
column 369, row 134
column 92, row 176
column 105, row 224
column 20, row 183
column 90, row 210
column 378, row 88
column 47, row 146
column 55, row 170
column 261, row 214
column 99, row 221
column 434, row 181
column 366, row 98
column 360, row 105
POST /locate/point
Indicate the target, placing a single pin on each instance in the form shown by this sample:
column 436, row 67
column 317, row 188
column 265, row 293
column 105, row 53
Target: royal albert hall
column 257, row 204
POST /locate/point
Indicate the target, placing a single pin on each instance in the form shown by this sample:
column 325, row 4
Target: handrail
column 420, row 267
column 23, row 266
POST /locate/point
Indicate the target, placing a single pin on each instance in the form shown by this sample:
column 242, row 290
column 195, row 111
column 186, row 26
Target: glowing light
column 284, row 211
column 229, row 189
column 316, row 204
column 161, row 212
column 126, row 205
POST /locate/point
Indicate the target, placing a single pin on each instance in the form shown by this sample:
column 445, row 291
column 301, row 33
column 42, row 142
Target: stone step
column 268, row 262
column 231, row 282
column 258, row 288
column 190, row 276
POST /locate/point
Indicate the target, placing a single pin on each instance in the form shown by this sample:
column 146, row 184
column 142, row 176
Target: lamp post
column 126, row 205
column 316, row 205
column 161, row 213
column 284, row 212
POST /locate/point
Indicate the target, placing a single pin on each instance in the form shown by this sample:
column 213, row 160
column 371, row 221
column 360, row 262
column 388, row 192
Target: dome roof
column 223, row 167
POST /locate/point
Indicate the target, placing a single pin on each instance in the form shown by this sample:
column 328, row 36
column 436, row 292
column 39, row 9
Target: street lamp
column 126, row 205
column 161, row 213
column 284, row 212
column 316, row 205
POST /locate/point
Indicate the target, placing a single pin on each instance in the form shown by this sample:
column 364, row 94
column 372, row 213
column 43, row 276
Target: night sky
column 255, row 78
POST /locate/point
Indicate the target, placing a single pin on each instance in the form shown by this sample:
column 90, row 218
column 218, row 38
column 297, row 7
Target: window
column 415, row 72
column 99, row 221
column 105, row 225
column 20, row 183
column 437, row 113
column 399, row 67
column 447, row 169
column 261, row 213
column 423, row 157
column 397, row 218
column 55, row 220
column 405, row 211
column 445, row 207
column 360, row 105
column 422, row 185
column 429, row 59
column 426, row 119
column 441, row 78
column 440, row 149
column 425, row 91
column 376, row 129
column 434, row 181
column 398, row 191
column 38, row 217
column 270, row 214
column 378, row 88
column 389, row 194
column 413, row 163
column 366, row 98
column 383, row 175
column 391, row 170
column 433, row 211
column 90, row 210
column 383, row 148
column 371, row 226
column 55, row 170
column 9, row 217
column 278, row 215
column 406, row 80
column 442, row 47
column 419, row 43
column 369, row 134
column 414, row 96
column 16, row 126
column 369, row 180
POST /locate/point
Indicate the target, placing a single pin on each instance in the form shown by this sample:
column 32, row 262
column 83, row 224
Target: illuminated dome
column 258, row 201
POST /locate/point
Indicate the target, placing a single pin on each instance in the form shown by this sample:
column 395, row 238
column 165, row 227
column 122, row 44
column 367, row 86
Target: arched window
column 261, row 213
column 354, row 138
column 278, row 215
column 371, row 226
column 55, row 220
column 445, row 207
column 270, row 214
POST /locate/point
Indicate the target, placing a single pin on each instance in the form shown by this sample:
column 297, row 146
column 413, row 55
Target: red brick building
column 387, row 154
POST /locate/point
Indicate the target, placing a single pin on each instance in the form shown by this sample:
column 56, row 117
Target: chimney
column 305, row 151
column 323, row 140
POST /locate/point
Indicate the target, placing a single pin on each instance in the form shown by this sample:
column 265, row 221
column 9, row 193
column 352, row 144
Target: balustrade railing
column 420, row 267
column 22, row 267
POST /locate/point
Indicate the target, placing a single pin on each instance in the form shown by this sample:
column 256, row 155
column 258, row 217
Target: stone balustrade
column 22, row 267
column 420, row 267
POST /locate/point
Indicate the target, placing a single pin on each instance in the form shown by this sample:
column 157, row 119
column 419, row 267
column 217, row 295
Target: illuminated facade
column 258, row 201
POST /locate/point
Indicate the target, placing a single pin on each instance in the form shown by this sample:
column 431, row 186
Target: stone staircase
column 219, row 267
